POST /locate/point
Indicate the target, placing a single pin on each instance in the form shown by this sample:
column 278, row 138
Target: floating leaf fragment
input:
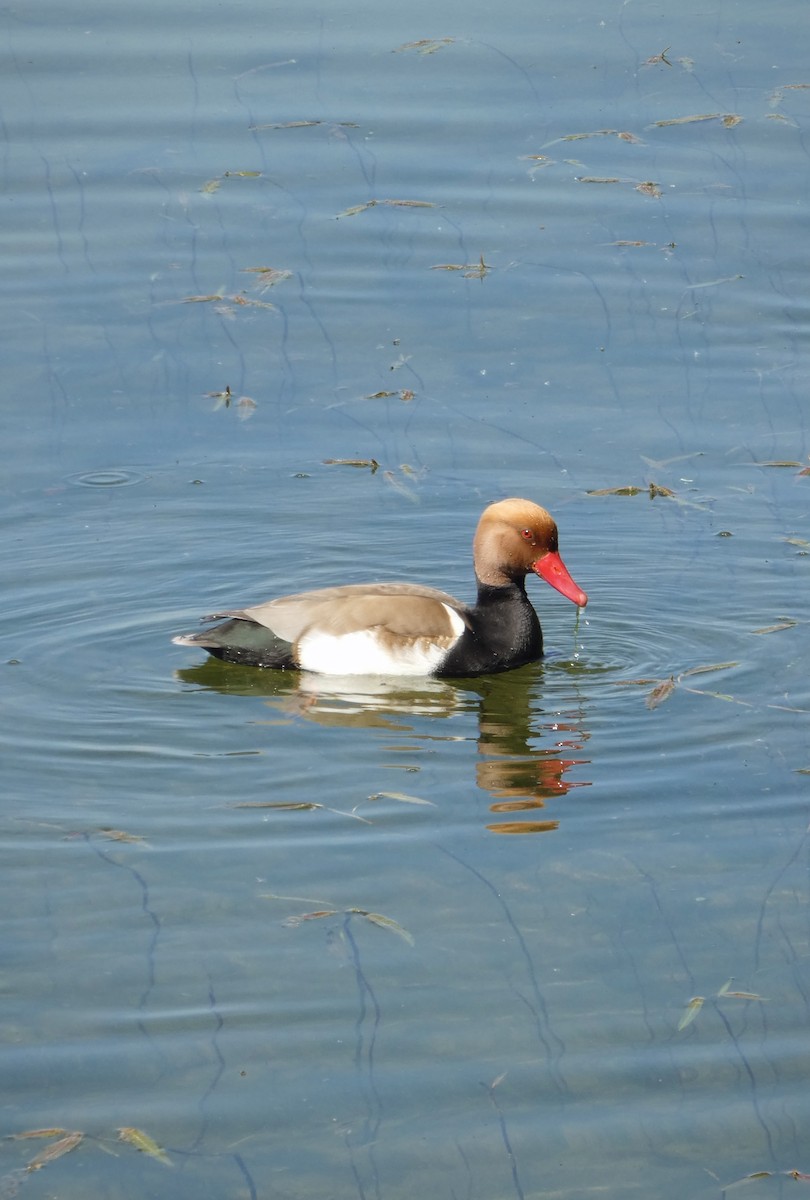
column 268, row 276
column 775, row 628
column 745, row 996
column 779, row 462
column 598, row 179
column 747, row 1179
column 692, row 1009
column 358, row 208
column 649, row 189
column 210, row 187
column 721, row 696
column 56, row 1150
column 725, row 987
column 402, row 797
column 578, row 137
column 241, row 300
column 796, row 541
column 375, row 918
column 383, row 923
column 425, row 45
column 705, row 670
column 623, row 135
column 477, row 270
column 657, row 490
column 254, row 303
column 380, row 395
column 294, row 921
column 471, row 270
column 794, row 1174
column 658, row 58
column 143, row 1142
column 285, row 125
column 285, row 805
column 120, row 835
column 622, row 242
column 406, row 395
column 410, row 203
column 352, row 462
column 688, row 120
column 727, row 119
column 630, row 490
column 241, row 175
column 661, row 692
column 38, row 1133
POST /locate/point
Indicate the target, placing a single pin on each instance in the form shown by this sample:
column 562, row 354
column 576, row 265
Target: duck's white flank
column 367, row 652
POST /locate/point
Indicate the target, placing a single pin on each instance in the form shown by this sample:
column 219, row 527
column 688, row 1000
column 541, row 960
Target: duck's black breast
column 503, row 631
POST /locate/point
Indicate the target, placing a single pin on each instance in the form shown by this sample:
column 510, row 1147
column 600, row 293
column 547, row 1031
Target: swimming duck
column 405, row 628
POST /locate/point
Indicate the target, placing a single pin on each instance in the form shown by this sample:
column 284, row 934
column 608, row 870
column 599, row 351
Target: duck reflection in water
column 523, row 759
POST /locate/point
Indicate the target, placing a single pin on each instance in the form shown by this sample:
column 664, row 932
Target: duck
column 407, row 628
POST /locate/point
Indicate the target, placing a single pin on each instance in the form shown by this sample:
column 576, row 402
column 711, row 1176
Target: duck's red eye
column 528, row 534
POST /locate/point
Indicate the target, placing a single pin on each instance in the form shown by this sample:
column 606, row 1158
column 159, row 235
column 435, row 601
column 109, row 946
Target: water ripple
column 110, row 478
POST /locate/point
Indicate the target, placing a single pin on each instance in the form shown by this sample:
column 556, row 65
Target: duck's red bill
column 552, row 568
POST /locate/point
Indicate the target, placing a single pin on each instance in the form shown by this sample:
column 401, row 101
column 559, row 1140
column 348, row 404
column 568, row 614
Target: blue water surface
column 538, row 935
